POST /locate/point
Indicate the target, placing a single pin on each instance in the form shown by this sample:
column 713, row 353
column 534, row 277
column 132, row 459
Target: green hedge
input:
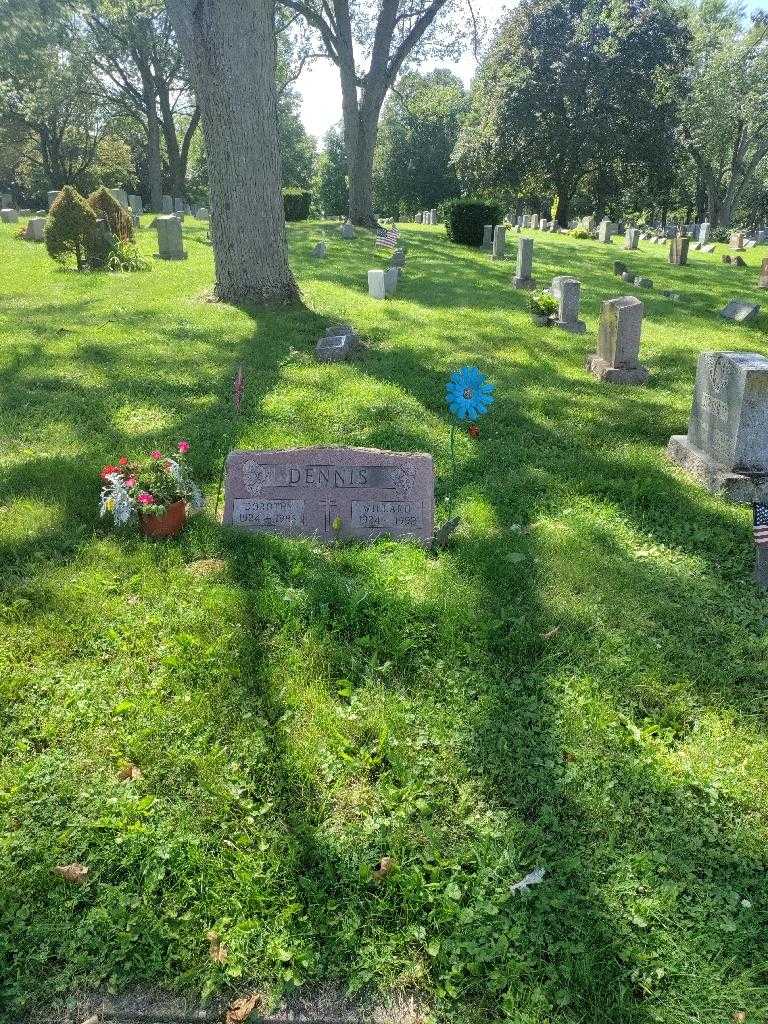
column 466, row 218
column 297, row 202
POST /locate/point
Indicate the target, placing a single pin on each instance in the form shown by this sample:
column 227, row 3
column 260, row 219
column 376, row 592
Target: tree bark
column 563, row 206
column 154, row 154
column 230, row 51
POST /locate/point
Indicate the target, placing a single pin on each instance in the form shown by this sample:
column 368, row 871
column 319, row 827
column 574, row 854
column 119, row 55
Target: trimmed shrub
column 581, row 233
column 297, row 202
column 107, row 208
column 466, row 218
column 71, row 229
column 721, row 235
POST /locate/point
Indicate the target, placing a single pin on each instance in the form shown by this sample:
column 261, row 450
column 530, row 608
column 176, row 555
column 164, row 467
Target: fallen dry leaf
column 132, row 599
column 739, row 1017
column 129, row 773
column 383, row 868
column 77, row 873
column 550, row 633
column 218, row 951
column 242, row 1008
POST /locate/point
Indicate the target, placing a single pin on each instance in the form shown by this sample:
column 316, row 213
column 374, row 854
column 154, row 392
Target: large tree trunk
column 360, row 169
column 230, row 51
column 563, row 206
column 154, row 154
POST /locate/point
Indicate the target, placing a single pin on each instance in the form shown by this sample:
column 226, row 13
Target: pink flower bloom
column 145, row 498
column 131, row 481
column 156, row 454
column 183, row 447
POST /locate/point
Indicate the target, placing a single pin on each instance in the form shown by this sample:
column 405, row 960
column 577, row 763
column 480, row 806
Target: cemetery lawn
column 577, row 684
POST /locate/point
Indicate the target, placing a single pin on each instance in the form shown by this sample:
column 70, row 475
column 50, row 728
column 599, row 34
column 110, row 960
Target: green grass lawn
column 578, row 683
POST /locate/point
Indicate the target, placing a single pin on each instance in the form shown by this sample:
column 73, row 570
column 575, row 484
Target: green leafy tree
column 331, row 185
column 419, row 129
column 569, row 87
column 725, row 121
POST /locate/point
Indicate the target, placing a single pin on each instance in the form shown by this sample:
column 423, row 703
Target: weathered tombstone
column 567, row 291
column 136, row 220
column 376, row 284
column 739, row 311
column 35, row 231
column 391, row 278
column 678, row 250
column 332, row 493
column 737, row 241
column 433, row 216
column 523, row 275
column 738, row 261
column 708, row 248
column 203, row 213
column 526, row 220
column 487, row 237
column 169, row 238
column 704, row 232
column 336, row 347
column 763, row 279
column 618, row 342
column 535, row 221
column 750, row 243
column 9, row 216
column 167, row 204
column 319, row 251
column 499, row 242
column 643, row 282
column 553, row 227
column 725, row 448
column 6, row 200
column 619, row 267
column 632, row 238
column 418, row 218
column 628, row 276
column 120, row 195
column 589, row 223
column 347, row 230
column 178, row 205
column 605, row 231
column 398, row 258
column 136, row 205
column 52, row 197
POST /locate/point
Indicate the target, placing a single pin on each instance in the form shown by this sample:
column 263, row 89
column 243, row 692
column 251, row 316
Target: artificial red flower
column 473, row 430
column 183, row 447
column 156, row 454
column 107, row 470
column 123, row 461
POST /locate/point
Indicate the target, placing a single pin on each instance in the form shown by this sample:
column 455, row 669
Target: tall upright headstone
column 605, row 231
column 567, row 291
column 523, row 274
column 418, row 218
column 632, row 238
column 167, row 204
column 347, row 230
column 535, row 221
column 618, row 343
column 737, row 241
column 763, row 279
column 499, row 242
column 120, row 195
column 678, row 250
column 726, row 447
column 704, row 232
column 136, row 205
column 391, row 278
column 178, row 205
column 169, row 238
column 487, row 237
column 376, row 284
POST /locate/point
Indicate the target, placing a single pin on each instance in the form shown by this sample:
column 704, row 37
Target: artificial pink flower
column 183, row 447
column 145, row 498
column 130, row 481
column 156, row 454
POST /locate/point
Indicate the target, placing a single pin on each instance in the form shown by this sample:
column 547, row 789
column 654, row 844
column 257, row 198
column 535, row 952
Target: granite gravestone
column 9, row 216
column 35, row 231
column 678, row 250
column 347, row 231
column 523, row 276
column 632, row 238
column 331, row 493
column 618, row 342
column 739, row 311
column 763, row 279
column 567, row 291
column 169, row 238
column 336, row 345
column 376, row 284
column 499, row 242
column 487, row 237
column 726, row 447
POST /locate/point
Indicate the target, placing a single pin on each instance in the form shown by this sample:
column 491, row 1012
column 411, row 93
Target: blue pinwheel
column 468, row 394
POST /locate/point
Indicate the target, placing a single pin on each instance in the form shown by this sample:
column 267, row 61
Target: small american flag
column 760, row 513
column 387, row 239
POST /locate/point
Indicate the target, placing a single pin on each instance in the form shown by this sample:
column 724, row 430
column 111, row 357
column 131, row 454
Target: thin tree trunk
column 230, row 51
column 563, row 206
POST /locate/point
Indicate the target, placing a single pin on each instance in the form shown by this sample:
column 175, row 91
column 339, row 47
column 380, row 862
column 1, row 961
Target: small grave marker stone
column 523, row 276
column 739, row 311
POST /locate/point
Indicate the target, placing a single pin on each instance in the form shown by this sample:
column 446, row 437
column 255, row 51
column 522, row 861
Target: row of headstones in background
column 428, row 217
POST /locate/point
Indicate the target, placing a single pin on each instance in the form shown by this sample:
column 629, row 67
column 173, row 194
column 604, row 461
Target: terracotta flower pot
column 169, row 525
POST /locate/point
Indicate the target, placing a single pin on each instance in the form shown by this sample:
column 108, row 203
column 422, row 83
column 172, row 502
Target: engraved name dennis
column 257, row 477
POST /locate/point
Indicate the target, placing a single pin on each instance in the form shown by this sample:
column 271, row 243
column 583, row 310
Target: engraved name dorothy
column 256, row 476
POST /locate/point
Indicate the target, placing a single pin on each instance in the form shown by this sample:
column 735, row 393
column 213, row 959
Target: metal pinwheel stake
column 468, row 395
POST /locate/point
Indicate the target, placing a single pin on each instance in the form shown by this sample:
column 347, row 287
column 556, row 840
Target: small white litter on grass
column 533, row 878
